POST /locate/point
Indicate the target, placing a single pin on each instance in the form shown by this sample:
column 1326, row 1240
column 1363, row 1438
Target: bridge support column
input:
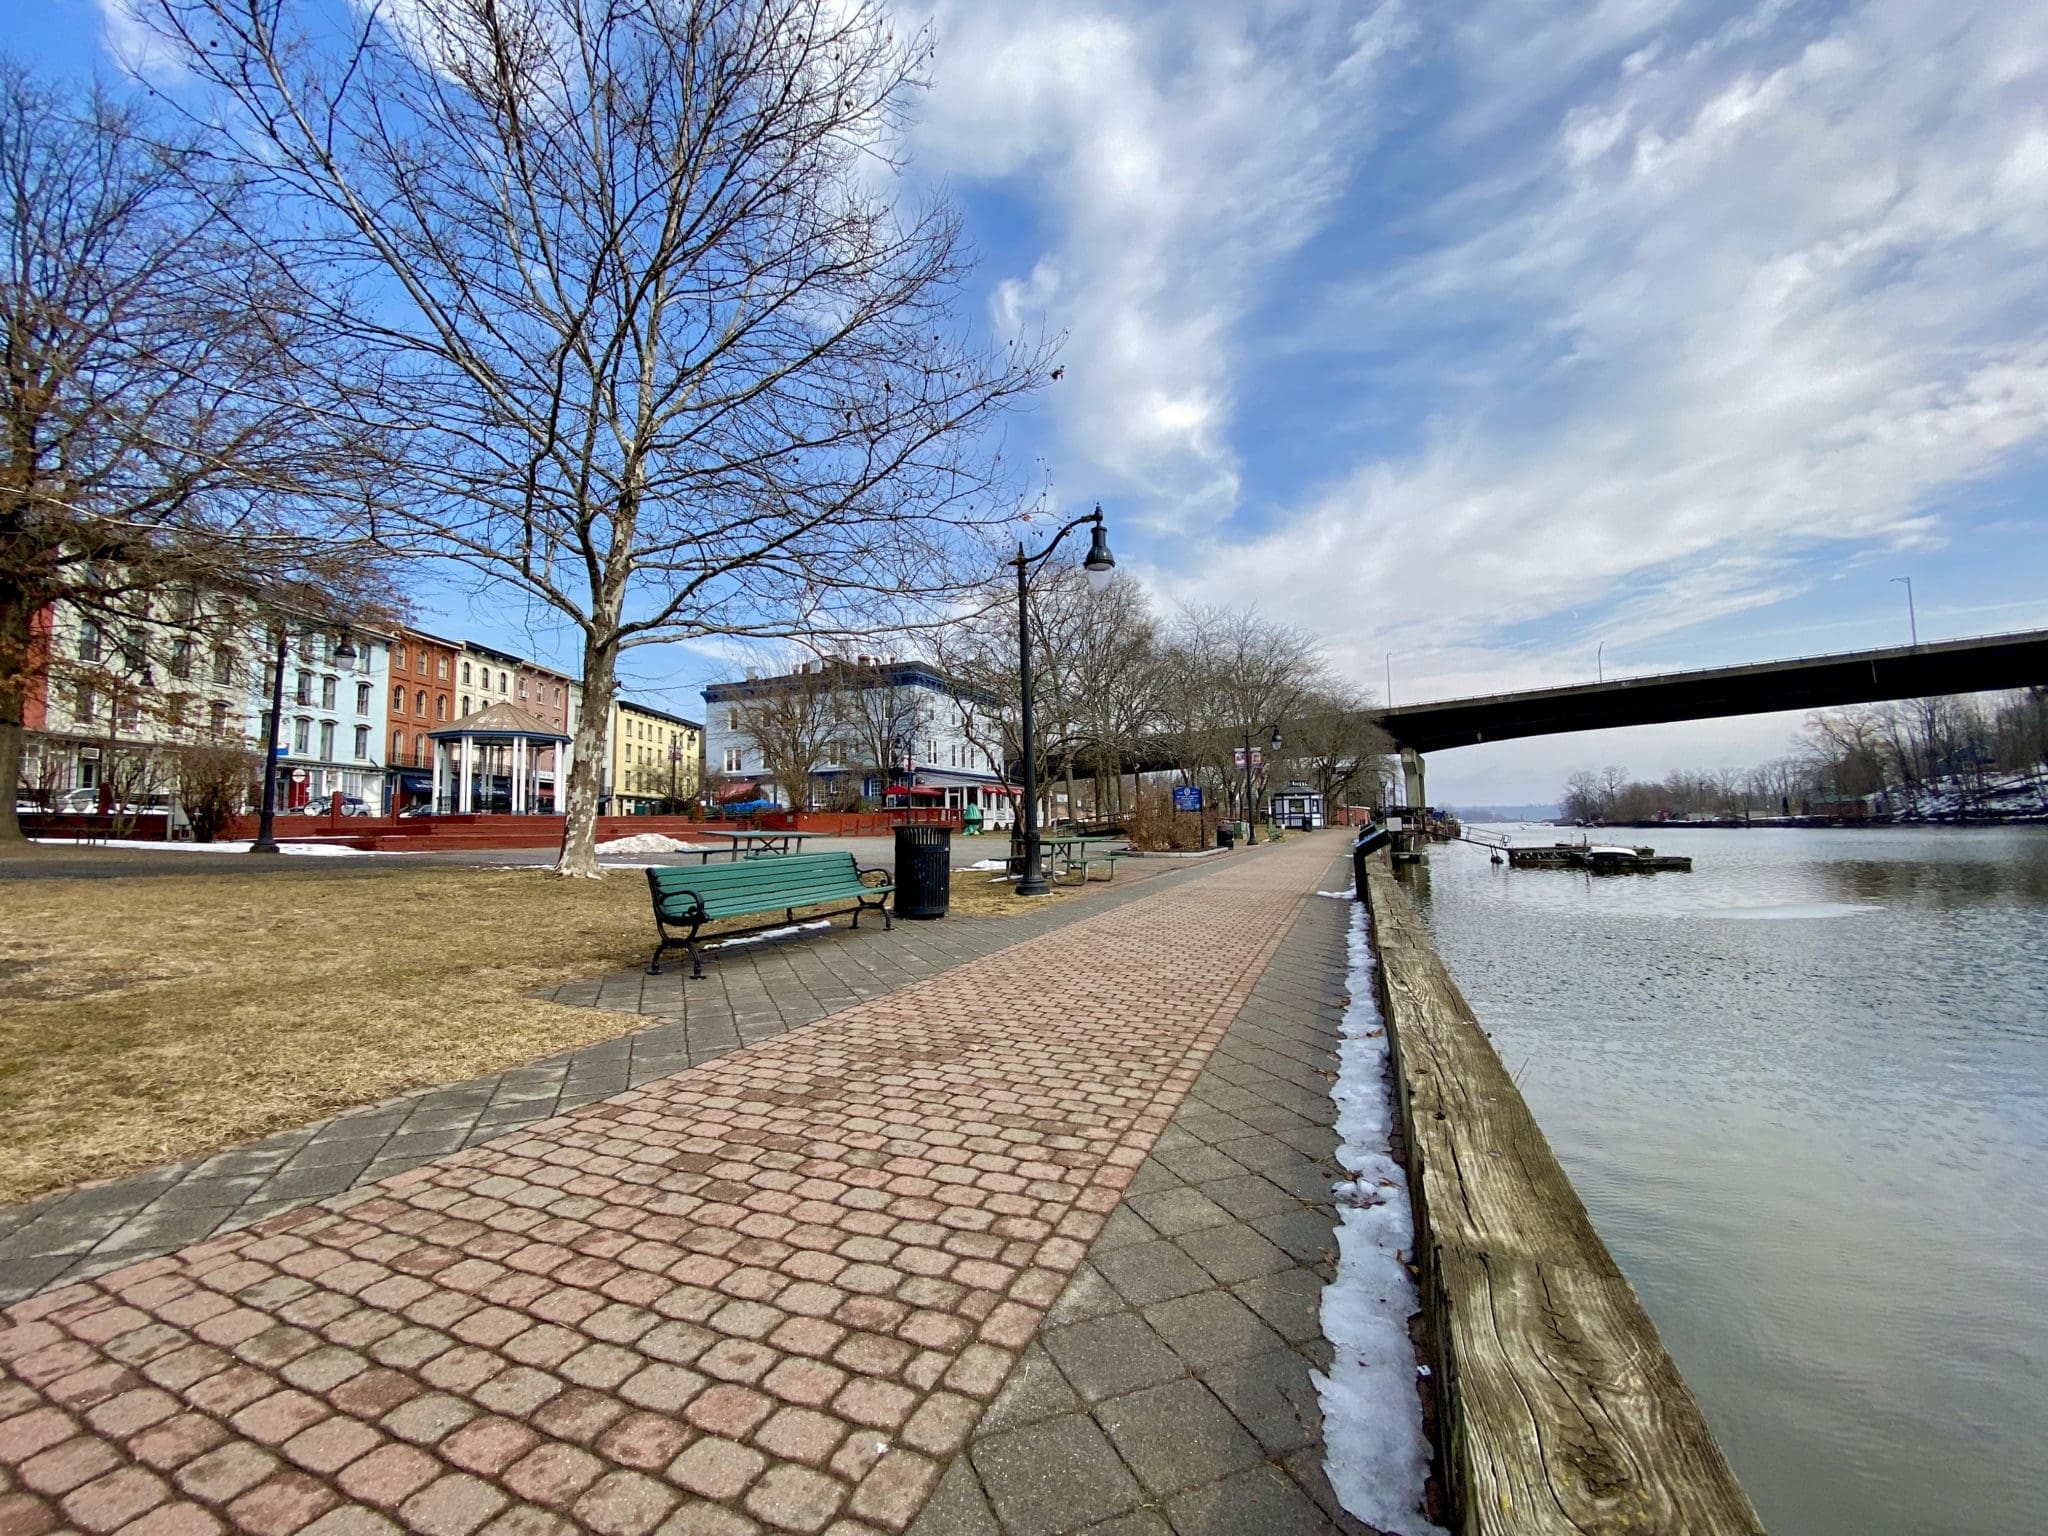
column 1413, row 845
column 1412, row 779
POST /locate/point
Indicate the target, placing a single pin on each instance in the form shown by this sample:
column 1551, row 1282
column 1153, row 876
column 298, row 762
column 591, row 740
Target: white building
column 941, row 749
column 111, row 695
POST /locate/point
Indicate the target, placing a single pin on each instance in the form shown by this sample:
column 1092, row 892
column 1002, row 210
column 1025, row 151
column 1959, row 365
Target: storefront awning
column 732, row 794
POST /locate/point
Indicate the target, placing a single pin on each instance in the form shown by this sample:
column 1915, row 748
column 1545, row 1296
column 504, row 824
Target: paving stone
column 1036, row 1390
column 1176, row 1435
column 1054, row 1476
column 1109, row 1356
column 1154, row 1271
column 1263, row 1499
column 1209, row 1329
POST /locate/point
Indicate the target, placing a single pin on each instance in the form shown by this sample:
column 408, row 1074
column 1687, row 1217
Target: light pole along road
column 1098, row 565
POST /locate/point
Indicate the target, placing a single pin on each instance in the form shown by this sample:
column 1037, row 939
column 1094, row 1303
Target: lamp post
column 1912, row 619
column 1600, row 662
column 266, row 826
column 1251, row 810
column 1099, row 563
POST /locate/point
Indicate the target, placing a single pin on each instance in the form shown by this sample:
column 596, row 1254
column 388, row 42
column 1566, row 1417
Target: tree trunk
column 586, row 764
column 16, row 637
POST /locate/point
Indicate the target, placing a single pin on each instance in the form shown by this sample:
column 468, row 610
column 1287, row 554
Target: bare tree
column 879, row 716
column 793, row 721
column 1332, row 736
column 166, row 416
column 212, row 776
column 676, row 363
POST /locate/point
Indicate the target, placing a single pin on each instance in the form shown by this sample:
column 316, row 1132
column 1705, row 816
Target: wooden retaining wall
column 1559, row 1409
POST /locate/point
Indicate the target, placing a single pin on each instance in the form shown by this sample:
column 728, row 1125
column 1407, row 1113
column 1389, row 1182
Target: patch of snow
column 990, row 864
column 771, row 933
column 645, row 842
column 303, row 850
column 1339, row 895
column 1374, row 1451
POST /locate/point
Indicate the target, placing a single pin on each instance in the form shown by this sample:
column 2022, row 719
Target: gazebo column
column 518, row 775
column 468, row 790
column 435, row 749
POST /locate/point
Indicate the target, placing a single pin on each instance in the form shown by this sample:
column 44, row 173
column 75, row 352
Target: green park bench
column 688, row 898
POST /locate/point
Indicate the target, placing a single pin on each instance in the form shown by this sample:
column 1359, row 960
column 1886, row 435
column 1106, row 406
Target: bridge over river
column 1808, row 682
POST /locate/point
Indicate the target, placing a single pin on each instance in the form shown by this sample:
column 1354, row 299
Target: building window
column 217, row 717
column 419, row 703
column 223, row 668
column 398, row 700
column 442, row 663
column 327, row 740
column 557, row 695
column 465, row 674
column 90, row 641
column 398, row 746
column 398, row 658
column 732, row 719
column 305, row 691
column 440, row 706
column 522, row 688
column 263, row 727
column 134, row 652
column 181, row 659
column 88, row 706
column 362, row 700
column 735, row 760
column 502, row 689
column 465, row 705
column 362, row 741
column 327, row 691
column 302, row 736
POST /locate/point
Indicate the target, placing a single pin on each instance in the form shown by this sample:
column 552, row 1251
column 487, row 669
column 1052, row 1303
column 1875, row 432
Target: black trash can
column 924, row 871
column 1226, row 835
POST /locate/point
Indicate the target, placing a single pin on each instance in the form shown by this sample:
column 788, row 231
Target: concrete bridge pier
column 1413, row 844
column 1412, row 779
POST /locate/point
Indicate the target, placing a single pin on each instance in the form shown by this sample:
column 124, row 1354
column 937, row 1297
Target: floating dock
column 1595, row 858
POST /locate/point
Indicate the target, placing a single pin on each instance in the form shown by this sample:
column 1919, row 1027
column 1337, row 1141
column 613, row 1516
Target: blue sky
column 1506, row 334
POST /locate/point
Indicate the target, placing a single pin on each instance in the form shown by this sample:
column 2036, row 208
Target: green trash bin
column 970, row 820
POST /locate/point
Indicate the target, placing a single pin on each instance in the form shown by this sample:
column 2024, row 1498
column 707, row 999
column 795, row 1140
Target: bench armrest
column 887, row 880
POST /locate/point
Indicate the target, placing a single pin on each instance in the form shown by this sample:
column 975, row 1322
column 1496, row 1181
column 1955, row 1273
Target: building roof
column 871, row 671
column 658, row 714
column 500, row 719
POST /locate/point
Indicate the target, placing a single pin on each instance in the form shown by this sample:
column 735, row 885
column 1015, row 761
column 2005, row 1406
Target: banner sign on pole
column 1258, row 757
column 1187, row 797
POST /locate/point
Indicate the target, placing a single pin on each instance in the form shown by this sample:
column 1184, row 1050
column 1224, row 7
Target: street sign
column 1187, row 797
column 1258, row 756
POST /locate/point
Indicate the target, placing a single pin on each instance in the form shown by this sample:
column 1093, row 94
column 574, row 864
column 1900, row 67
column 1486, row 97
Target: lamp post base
column 1033, row 885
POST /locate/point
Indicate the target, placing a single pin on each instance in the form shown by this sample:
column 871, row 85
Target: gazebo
column 491, row 761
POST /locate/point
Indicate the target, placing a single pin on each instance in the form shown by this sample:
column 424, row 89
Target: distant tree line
column 1906, row 751
column 1128, row 700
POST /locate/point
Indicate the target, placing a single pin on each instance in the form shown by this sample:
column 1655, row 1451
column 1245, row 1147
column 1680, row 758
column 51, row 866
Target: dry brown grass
column 984, row 893
column 146, row 1020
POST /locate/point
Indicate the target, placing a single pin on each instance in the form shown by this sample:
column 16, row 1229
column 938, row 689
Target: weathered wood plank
column 1561, row 1410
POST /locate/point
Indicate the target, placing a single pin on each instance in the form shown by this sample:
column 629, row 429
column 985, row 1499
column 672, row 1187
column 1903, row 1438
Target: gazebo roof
column 501, row 722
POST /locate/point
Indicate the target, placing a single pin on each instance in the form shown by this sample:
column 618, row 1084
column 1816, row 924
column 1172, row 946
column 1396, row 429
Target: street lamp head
column 1276, row 739
column 1100, row 563
column 345, row 653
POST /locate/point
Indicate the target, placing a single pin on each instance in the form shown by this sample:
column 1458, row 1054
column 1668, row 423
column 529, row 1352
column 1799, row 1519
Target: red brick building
column 423, row 669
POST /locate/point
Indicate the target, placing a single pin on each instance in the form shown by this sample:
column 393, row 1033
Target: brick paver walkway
column 778, row 1287
column 746, row 995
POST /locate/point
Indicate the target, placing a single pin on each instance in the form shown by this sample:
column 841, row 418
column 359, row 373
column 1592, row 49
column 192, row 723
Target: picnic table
column 754, row 844
column 1069, row 851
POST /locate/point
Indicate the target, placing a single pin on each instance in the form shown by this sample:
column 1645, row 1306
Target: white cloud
column 1177, row 155
column 1755, row 294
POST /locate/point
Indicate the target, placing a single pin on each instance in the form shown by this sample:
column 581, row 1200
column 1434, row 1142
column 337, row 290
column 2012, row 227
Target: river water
column 1803, row 1091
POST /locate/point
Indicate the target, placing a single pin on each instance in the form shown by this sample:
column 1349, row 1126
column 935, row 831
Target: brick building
column 422, row 699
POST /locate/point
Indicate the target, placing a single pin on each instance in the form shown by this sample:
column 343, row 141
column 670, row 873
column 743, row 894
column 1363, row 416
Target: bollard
column 1370, row 840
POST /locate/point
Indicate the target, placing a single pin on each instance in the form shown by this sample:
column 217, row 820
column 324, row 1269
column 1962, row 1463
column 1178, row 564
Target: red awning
column 897, row 791
column 734, row 793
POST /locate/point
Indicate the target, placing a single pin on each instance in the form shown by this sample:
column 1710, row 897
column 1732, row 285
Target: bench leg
column 654, row 965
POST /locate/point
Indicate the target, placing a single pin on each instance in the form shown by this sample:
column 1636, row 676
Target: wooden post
column 1559, row 1411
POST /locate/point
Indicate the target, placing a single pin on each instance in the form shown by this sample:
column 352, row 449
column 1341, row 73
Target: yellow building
column 653, row 759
